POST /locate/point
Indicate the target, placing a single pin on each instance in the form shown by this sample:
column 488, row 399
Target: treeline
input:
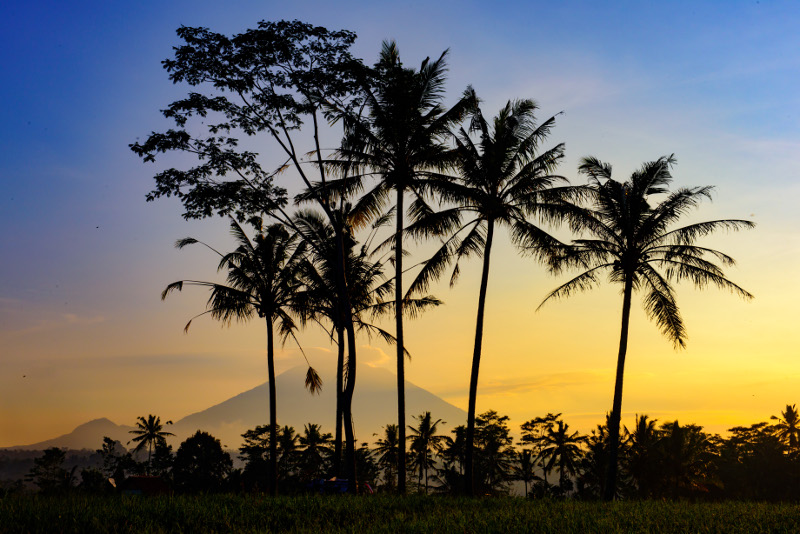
column 657, row 460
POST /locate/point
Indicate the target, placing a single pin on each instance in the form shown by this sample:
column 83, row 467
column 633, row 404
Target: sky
column 83, row 333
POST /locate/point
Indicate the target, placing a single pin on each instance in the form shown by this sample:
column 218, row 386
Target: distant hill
column 374, row 405
column 86, row 436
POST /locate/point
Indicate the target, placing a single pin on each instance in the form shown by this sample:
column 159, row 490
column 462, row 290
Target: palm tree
column 149, row 433
column 424, row 444
column 319, row 300
column 633, row 242
column 788, row 427
column 504, row 180
column 386, row 450
column 525, row 467
column 642, row 458
column 262, row 280
column 562, row 449
column 400, row 139
column 315, row 450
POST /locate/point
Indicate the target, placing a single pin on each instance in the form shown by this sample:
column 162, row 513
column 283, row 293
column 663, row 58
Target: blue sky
column 84, row 257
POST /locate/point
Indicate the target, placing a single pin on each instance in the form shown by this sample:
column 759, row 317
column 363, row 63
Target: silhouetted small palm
column 561, row 449
column 634, row 243
column 643, row 459
column 315, row 451
column 525, row 467
column 386, row 450
column 425, row 443
column 149, row 433
column 788, row 427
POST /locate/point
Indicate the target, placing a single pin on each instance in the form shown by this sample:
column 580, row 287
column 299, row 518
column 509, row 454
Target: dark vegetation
column 226, row 513
column 658, row 460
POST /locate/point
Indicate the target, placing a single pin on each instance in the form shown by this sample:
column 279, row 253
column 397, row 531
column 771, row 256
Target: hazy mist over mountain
column 374, row 406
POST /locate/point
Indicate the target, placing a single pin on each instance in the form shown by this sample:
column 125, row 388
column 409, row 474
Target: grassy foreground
column 227, row 513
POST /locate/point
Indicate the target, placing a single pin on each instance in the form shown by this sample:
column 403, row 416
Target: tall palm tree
column 425, row 442
column 562, row 449
column 401, row 139
column 788, row 427
column 634, row 242
column 149, row 433
column 262, row 280
column 504, row 181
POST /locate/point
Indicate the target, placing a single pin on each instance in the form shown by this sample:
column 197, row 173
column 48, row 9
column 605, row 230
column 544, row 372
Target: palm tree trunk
column 398, row 317
column 337, row 444
column 476, row 362
column 347, row 412
column 616, row 411
column 346, row 319
column 273, row 417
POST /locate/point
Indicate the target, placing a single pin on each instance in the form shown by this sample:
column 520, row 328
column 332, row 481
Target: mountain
column 86, row 436
column 374, row 406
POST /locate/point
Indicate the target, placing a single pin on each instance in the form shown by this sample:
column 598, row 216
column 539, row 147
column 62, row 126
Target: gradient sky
column 84, row 335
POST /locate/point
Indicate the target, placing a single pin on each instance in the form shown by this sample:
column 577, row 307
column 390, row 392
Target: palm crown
column 634, row 242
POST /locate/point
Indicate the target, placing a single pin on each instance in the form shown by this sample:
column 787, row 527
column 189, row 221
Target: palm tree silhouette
column 642, row 458
column 425, row 442
column 400, row 139
column 504, row 180
column 562, row 449
column 149, row 433
column 386, row 449
column 262, row 280
column 633, row 242
column 788, row 427
column 368, row 289
column 524, row 469
column 315, row 451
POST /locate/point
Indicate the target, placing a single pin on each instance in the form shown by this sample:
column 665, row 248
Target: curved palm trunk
column 347, row 411
column 337, row 444
column 346, row 319
column 273, row 418
column 398, row 314
column 616, row 411
column 476, row 362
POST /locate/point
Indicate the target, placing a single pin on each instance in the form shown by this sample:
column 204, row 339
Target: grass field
column 227, row 513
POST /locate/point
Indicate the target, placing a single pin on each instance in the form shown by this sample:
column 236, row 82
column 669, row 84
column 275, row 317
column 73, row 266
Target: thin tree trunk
column 616, row 411
column 398, row 313
column 273, row 417
column 476, row 362
column 347, row 411
column 337, row 444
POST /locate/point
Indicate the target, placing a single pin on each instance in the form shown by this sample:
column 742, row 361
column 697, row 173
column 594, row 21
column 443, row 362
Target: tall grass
column 228, row 513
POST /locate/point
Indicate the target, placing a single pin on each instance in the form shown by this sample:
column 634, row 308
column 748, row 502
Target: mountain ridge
column 374, row 405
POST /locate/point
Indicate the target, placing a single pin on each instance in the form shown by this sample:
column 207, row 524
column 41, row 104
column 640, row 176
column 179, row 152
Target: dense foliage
column 226, row 513
column 658, row 460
